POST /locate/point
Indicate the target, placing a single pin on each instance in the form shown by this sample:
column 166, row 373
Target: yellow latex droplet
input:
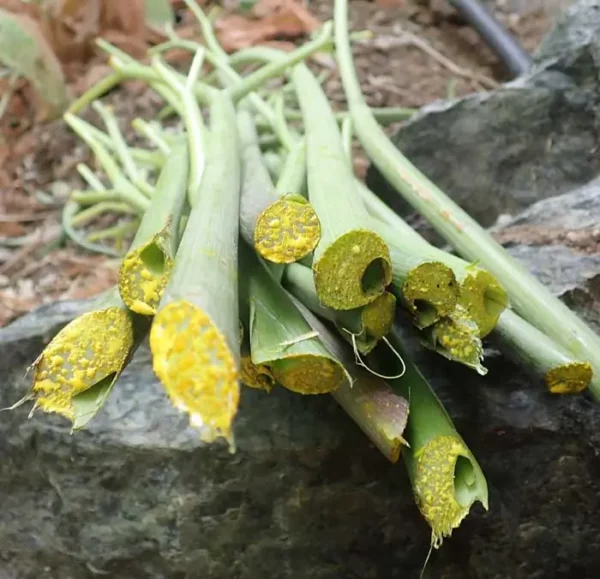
column 570, row 378
column 286, row 231
column 309, row 374
column 434, row 485
column 193, row 361
column 141, row 285
column 90, row 348
column 255, row 375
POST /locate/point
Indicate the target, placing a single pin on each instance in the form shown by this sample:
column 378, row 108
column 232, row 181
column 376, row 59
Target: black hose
column 516, row 59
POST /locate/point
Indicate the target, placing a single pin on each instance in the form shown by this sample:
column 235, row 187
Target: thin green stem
column 129, row 192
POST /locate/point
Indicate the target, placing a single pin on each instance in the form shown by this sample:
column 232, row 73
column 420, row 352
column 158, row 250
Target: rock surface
column 533, row 138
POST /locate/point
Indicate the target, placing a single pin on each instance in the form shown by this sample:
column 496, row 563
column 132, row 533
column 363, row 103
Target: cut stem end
column 287, row 230
column 193, row 361
column 571, row 378
column 353, row 270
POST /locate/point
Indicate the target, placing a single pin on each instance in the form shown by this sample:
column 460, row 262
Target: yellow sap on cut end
column 256, row 376
column 287, row 230
column 571, row 378
column 89, row 349
column 434, row 485
column 353, row 270
column 197, row 368
column 143, row 276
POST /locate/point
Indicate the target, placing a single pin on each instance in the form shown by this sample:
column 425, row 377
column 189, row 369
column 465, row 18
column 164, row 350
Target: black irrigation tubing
column 516, row 59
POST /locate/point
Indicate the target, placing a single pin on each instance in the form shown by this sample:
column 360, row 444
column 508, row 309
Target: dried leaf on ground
column 269, row 20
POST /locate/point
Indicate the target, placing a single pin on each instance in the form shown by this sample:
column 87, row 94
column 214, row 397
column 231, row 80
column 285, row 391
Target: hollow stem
column 351, row 263
column 145, row 270
column 363, row 327
column 445, row 476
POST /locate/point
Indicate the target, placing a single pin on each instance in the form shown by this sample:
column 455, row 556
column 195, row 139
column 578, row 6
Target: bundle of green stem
column 530, row 298
column 182, row 269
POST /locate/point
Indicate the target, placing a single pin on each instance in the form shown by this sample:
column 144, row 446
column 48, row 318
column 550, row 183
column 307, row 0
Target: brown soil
column 395, row 67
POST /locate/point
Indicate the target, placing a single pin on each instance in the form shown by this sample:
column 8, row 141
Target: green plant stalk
column 379, row 412
column 77, row 370
column 541, row 356
column 259, row 77
column 145, row 270
column 281, row 229
column 120, row 146
column 292, row 178
column 129, row 193
column 146, row 130
column 69, row 219
column 480, row 293
column 445, row 476
column 529, row 297
column 195, row 335
column 367, row 324
column 524, row 343
column 351, row 264
column 281, row 339
column 117, row 231
column 191, row 115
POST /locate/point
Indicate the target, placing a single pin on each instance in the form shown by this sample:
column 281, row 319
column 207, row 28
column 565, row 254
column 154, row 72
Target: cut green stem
column 444, row 474
column 363, row 327
column 84, row 359
column 541, row 356
column 280, row 337
column 195, row 334
column 282, row 229
column 145, row 270
column 351, row 263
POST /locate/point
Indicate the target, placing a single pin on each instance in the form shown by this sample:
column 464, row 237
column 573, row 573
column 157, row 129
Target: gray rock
column 533, row 138
column 138, row 496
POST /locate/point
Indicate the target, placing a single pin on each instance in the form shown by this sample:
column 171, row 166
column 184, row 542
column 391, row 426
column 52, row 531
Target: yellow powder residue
column 570, row 378
column 309, row 374
column 340, row 270
column 90, row 348
column 287, row 230
column 458, row 336
column 140, row 287
column 378, row 316
column 255, row 375
column 484, row 299
column 434, row 485
column 434, row 284
column 193, row 361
